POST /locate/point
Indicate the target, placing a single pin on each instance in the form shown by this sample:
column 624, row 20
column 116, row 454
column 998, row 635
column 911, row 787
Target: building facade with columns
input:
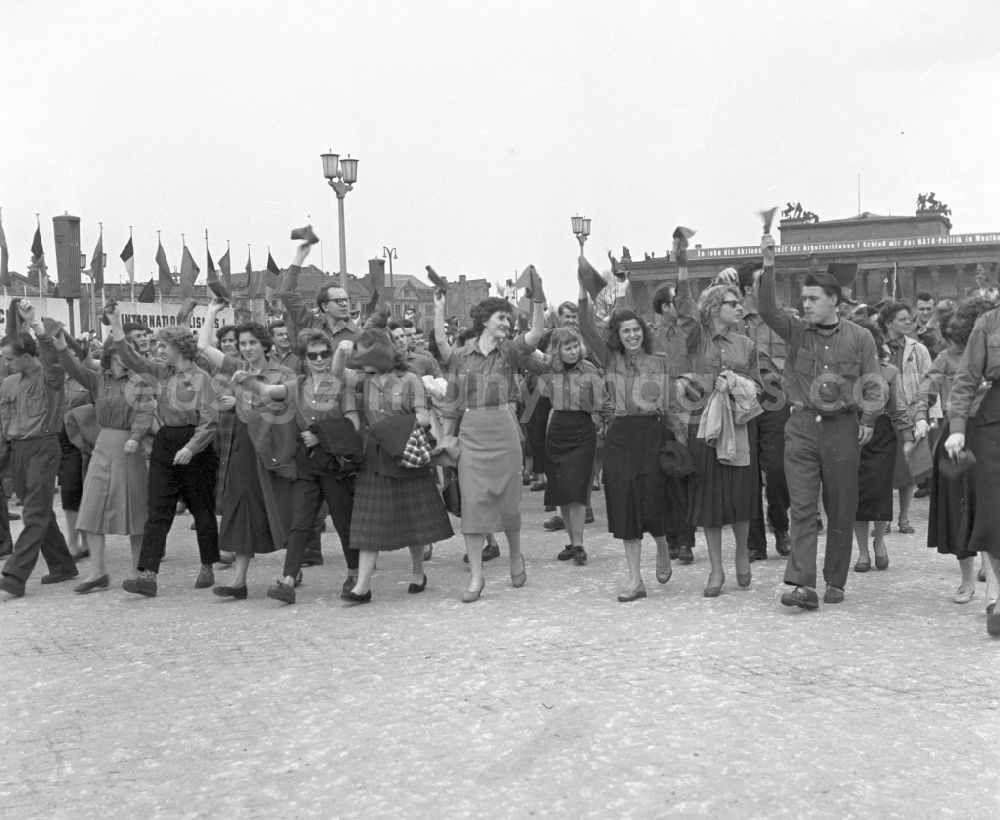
column 897, row 256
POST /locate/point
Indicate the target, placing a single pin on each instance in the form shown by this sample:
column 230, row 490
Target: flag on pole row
column 271, row 277
column 128, row 257
column 148, row 293
column 213, row 274
column 189, row 273
column 38, row 261
column 227, row 274
column 166, row 281
column 97, row 264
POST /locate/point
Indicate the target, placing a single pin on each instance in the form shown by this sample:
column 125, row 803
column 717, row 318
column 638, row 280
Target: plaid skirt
column 393, row 513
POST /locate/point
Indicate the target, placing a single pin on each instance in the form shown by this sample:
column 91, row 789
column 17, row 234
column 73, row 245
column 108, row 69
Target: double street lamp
column 581, row 228
column 390, row 254
column 341, row 174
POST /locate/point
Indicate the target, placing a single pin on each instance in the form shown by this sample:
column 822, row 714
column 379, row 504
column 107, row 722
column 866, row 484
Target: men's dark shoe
column 566, row 553
column 13, row 587
column 833, row 595
column 675, row 551
column 281, row 592
column 354, row 598
column 312, row 558
column 140, row 586
column 554, row 524
column 802, row 597
column 538, row 486
column 60, row 576
column 686, row 556
column 84, row 553
column 588, row 517
column 579, row 556
column 921, row 492
column 757, row 555
column 206, row 577
column 782, row 544
column 491, row 551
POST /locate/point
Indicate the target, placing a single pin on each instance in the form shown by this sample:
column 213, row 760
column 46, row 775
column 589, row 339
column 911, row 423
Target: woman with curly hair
column 483, row 390
column 635, row 487
column 396, row 501
column 182, row 464
column 256, row 501
column 724, row 363
column 952, row 510
column 577, row 394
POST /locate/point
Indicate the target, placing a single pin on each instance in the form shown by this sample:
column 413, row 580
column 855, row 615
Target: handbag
column 450, row 492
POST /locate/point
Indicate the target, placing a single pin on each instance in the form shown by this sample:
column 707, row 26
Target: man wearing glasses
column 334, row 306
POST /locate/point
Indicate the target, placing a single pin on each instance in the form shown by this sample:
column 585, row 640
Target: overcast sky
column 482, row 128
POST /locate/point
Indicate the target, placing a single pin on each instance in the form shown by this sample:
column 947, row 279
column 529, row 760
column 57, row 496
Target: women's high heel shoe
column 519, row 579
column 713, row 590
column 471, row 596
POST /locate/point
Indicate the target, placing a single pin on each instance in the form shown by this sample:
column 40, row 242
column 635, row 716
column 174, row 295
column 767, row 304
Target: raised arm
column 534, row 334
column 776, row 318
column 591, row 335
column 132, row 360
column 205, row 345
column 84, row 375
column 440, row 331
column 297, row 310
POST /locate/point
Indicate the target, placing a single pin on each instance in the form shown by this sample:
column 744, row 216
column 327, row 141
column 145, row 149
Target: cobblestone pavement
column 551, row 700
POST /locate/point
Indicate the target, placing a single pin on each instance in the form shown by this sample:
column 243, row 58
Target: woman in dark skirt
column 226, row 342
column 395, row 506
column 979, row 429
column 635, row 488
column 577, row 392
column 952, row 493
column 878, row 460
column 256, row 503
column 725, row 361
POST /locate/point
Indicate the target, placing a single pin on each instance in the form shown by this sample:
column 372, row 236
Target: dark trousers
column 6, row 544
column 826, row 453
column 771, row 458
column 193, row 483
column 309, row 491
column 70, row 474
column 33, row 467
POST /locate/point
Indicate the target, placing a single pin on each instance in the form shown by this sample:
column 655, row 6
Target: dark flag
column 128, row 257
column 271, row 277
column 532, row 284
column 148, row 293
column 590, row 280
column 189, row 273
column 97, row 264
column 227, row 274
column 163, row 269
column 4, row 260
column 38, row 261
column 213, row 274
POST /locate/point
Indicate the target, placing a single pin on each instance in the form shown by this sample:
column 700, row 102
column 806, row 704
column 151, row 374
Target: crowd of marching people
column 719, row 410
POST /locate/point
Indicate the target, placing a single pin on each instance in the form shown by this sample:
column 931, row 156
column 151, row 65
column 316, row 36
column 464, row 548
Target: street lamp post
column 581, row 228
column 390, row 254
column 341, row 174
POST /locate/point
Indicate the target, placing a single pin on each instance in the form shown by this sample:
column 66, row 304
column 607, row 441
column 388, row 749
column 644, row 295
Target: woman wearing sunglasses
column 723, row 362
column 327, row 456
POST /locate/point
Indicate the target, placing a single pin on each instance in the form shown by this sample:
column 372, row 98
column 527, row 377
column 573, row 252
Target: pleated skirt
column 570, row 445
column 722, row 494
column 489, row 470
column 876, row 468
column 115, row 489
column 393, row 513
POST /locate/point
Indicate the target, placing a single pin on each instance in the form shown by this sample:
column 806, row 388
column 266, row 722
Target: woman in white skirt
column 115, row 486
column 481, row 392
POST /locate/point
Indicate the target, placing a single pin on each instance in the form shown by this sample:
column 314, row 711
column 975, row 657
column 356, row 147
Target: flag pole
column 93, row 305
column 159, row 290
column 5, row 283
column 131, row 281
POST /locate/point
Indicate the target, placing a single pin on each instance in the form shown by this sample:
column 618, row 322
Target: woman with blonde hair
column 725, row 490
column 577, row 392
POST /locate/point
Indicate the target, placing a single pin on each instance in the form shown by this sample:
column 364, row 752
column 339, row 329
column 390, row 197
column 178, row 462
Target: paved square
column 551, row 700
